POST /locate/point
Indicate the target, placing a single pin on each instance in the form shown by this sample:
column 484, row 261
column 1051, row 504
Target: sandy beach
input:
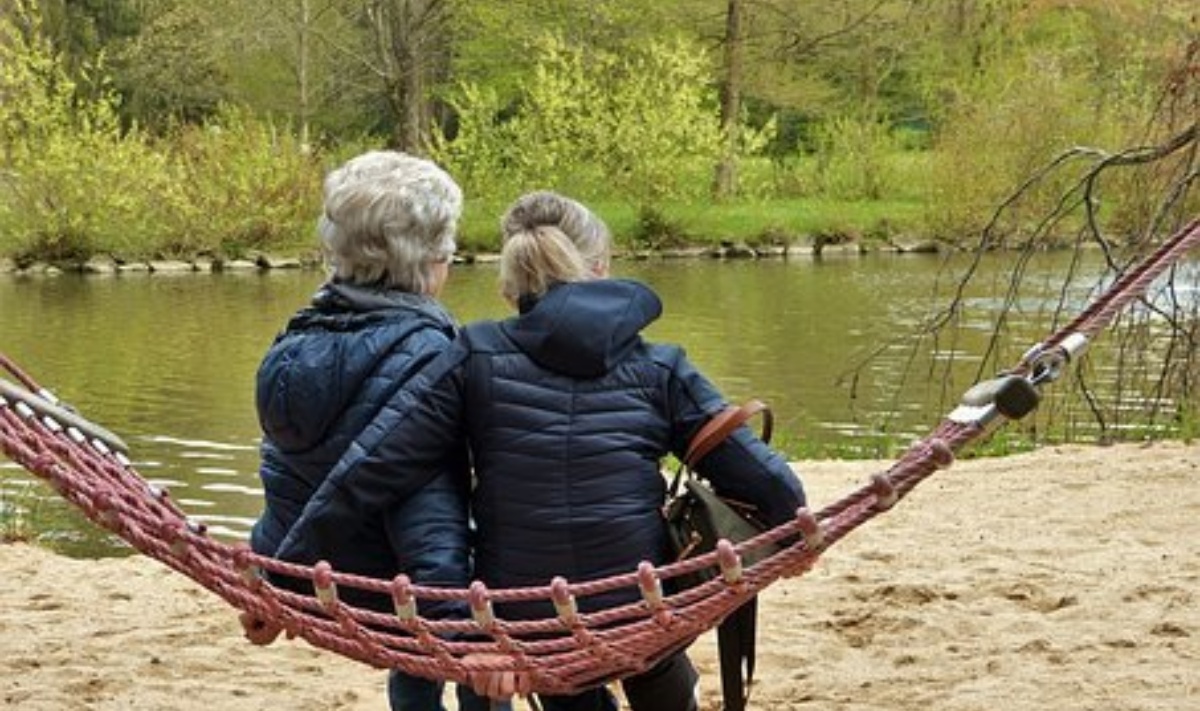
column 1064, row 579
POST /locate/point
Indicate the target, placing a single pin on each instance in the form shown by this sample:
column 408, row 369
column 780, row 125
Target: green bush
column 1004, row 131
column 241, row 185
column 74, row 184
column 82, row 194
column 638, row 124
column 852, row 158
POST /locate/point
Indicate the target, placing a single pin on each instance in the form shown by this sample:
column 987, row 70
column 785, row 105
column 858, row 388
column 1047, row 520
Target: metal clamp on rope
column 1048, row 364
column 652, row 592
column 1008, row 396
column 157, row 492
column 24, row 410
column 251, row 574
column 811, row 529
column 884, row 491
column 179, row 542
column 76, row 436
column 106, row 511
column 650, row 585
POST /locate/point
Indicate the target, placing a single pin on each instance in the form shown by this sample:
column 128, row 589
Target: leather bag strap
column 718, row 428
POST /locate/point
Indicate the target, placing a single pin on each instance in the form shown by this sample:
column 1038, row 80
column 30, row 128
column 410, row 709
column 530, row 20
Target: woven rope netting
column 559, row 654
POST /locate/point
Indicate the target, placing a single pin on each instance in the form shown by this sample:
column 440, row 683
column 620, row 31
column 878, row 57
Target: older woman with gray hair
column 387, row 232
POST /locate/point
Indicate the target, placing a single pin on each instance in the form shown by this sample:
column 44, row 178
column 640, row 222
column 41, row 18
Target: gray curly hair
column 388, row 218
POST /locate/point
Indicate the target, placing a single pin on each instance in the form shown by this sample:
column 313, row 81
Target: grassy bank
column 706, row 224
column 679, row 225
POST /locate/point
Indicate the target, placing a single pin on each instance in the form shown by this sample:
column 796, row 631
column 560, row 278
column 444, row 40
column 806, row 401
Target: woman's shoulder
column 669, row 355
column 486, row 335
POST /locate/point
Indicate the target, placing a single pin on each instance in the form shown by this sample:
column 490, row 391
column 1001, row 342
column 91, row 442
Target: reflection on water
column 168, row 362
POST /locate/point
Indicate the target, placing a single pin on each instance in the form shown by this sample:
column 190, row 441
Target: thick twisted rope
column 561, row 653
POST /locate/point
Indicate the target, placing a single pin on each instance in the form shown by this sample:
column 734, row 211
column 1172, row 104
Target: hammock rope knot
column 403, row 601
column 323, row 585
column 811, row 529
column 884, row 492
column 729, row 563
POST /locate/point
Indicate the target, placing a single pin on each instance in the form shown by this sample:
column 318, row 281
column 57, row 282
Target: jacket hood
column 335, row 298
column 584, row 328
column 319, row 366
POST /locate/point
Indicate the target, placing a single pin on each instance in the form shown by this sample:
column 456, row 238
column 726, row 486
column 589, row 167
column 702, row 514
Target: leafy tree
column 171, row 71
column 389, row 59
column 802, row 60
column 498, row 42
column 82, row 29
column 733, row 79
column 641, row 123
column 73, row 183
column 1046, row 76
column 408, row 52
column 294, row 59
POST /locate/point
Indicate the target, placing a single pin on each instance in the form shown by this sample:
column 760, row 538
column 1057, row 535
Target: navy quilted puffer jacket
column 569, row 414
column 322, row 381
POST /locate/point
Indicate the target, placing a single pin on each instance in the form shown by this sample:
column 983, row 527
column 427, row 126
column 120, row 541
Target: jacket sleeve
column 404, row 448
column 743, row 467
column 429, row 533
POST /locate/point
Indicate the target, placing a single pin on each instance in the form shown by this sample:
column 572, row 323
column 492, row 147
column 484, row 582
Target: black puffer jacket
column 323, row 380
column 568, row 413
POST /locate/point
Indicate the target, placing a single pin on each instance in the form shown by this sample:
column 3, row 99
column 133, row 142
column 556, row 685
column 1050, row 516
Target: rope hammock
column 560, row 654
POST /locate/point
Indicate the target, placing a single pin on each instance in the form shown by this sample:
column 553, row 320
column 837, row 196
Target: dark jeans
column 669, row 686
column 414, row 693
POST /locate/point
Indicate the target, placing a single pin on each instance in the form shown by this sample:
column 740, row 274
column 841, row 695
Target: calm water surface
column 168, row 362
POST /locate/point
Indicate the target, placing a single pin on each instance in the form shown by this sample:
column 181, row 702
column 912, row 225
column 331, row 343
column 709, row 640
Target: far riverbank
column 809, row 248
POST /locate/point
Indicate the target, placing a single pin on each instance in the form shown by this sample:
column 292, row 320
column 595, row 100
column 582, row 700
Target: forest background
column 171, row 129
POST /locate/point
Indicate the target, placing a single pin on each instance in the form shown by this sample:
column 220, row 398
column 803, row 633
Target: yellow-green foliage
column 482, row 156
column 1007, row 127
column 79, row 194
column 632, row 124
column 73, row 184
column 242, row 184
column 854, row 158
column 76, row 184
column 1030, row 118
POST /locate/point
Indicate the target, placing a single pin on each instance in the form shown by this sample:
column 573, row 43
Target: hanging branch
column 1153, row 349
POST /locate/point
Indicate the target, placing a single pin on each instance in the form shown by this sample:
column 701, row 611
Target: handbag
column 696, row 516
column 696, row 519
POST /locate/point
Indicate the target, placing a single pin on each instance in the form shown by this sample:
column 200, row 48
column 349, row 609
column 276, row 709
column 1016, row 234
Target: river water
column 168, row 361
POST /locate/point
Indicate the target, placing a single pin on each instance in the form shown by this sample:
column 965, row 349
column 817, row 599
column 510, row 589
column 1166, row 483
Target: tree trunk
column 412, row 40
column 302, row 59
column 725, row 180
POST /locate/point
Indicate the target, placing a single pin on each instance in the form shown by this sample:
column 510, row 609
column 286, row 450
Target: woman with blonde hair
column 568, row 414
